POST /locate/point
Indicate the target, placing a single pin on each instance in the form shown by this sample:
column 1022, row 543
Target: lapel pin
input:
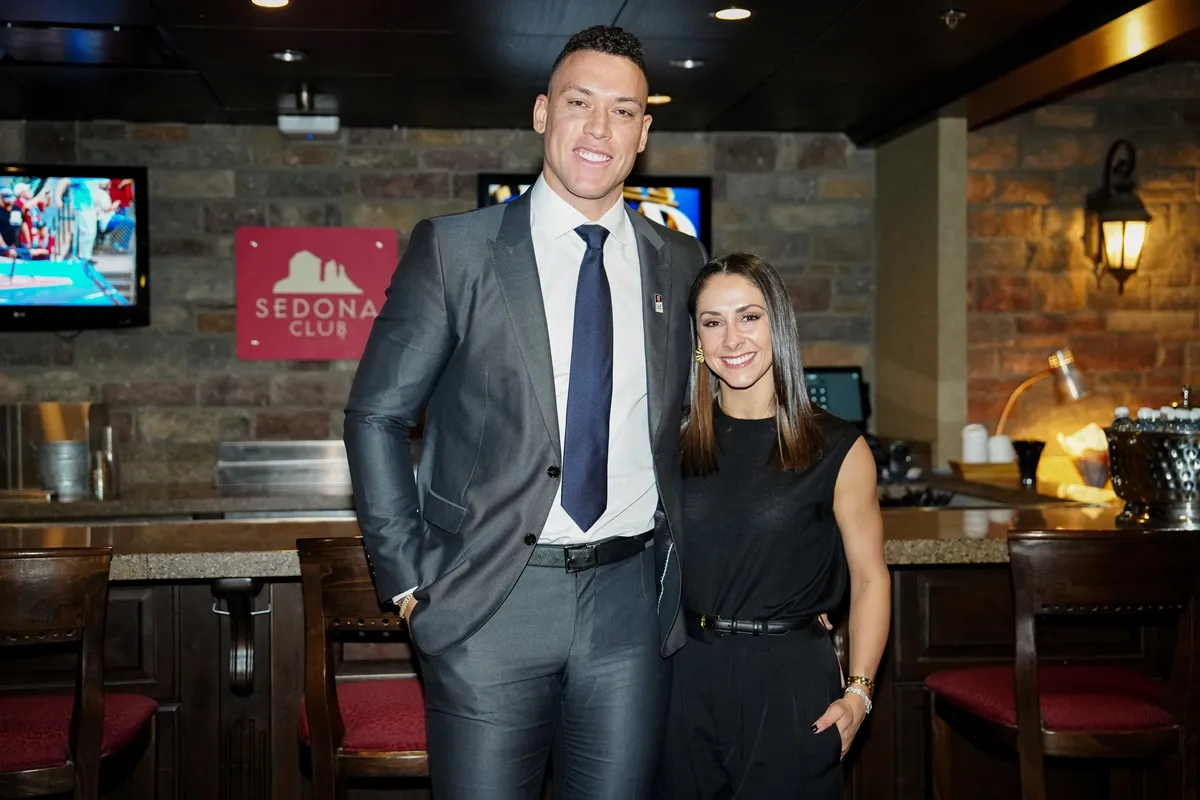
column 658, row 304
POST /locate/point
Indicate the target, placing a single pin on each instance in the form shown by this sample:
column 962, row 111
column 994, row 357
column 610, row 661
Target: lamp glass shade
column 1067, row 376
column 1123, row 242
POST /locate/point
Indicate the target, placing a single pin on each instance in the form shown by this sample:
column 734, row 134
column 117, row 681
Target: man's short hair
column 606, row 39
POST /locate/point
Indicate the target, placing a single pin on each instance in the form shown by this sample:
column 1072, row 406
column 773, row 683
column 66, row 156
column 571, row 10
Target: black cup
column 1029, row 453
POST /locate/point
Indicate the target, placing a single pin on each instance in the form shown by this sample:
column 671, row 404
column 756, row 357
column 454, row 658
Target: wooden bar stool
column 352, row 728
column 57, row 743
column 1084, row 710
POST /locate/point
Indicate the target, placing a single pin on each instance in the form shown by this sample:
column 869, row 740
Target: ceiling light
column 687, row 63
column 732, row 14
column 952, row 16
column 658, row 99
column 290, row 56
column 270, row 3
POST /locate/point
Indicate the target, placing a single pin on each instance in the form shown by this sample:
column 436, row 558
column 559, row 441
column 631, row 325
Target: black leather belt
column 579, row 557
column 707, row 626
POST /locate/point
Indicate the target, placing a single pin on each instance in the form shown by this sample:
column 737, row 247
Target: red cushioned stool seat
column 1073, row 698
column 34, row 728
column 380, row 716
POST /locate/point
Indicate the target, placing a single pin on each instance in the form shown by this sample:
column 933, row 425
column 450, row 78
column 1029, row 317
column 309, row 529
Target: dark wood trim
column 1130, row 36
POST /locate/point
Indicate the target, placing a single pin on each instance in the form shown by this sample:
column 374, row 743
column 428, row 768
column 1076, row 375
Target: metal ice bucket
column 1158, row 477
column 65, row 469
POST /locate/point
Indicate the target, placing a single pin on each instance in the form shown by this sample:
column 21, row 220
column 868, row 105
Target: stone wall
column 1031, row 287
column 804, row 202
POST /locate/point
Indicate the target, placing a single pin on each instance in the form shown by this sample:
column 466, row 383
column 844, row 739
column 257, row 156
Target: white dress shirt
column 558, row 250
column 632, row 490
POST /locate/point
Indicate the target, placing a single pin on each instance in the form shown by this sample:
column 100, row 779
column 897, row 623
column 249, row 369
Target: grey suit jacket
column 462, row 336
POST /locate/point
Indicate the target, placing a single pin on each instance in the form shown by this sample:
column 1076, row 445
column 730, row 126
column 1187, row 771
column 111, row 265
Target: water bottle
column 1121, row 422
column 1145, row 420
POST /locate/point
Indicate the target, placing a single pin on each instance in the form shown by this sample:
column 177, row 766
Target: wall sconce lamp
column 1067, row 379
column 1115, row 220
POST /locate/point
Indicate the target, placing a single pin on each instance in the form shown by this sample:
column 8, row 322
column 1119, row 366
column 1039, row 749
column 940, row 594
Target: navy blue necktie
column 589, row 393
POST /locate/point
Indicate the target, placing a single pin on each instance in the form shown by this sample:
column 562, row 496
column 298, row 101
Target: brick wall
column 804, row 202
column 1032, row 289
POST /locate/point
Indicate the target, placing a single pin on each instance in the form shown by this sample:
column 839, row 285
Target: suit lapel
column 515, row 265
column 654, row 258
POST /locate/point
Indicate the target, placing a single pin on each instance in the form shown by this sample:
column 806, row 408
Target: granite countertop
column 209, row 549
column 177, row 500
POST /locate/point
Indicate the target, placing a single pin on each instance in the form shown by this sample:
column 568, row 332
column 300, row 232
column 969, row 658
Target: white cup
column 1000, row 450
column 974, row 444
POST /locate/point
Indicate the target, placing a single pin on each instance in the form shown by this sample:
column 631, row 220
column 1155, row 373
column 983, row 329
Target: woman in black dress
column 781, row 518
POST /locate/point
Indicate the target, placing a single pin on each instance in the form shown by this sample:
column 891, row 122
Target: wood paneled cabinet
column 224, row 660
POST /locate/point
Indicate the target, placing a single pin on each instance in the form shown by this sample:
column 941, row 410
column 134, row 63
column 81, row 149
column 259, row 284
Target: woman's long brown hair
column 799, row 434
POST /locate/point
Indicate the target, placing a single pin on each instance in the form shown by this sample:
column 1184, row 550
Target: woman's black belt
column 707, row 626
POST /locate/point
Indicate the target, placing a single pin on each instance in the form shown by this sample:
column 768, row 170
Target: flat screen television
column 74, row 247
column 681, row 203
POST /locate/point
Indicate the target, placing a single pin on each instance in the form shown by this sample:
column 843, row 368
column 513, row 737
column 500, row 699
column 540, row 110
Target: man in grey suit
column 536, row 553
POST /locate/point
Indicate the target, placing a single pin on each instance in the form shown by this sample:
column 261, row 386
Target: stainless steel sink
column 919, row 495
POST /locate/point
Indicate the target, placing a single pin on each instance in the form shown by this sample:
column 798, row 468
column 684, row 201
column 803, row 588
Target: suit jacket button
column 530, row 539
column 553, row 471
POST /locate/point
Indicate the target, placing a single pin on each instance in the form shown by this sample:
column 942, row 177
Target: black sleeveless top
column 761, row 543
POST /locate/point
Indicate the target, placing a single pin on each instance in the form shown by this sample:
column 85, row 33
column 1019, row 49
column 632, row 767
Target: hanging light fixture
column 1116, row 221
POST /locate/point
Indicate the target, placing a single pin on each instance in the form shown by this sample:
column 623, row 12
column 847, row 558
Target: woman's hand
column 847, row 713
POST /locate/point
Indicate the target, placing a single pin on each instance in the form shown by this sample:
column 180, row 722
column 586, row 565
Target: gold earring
column 699, row 356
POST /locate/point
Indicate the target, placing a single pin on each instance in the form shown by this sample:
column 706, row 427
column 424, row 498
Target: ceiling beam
column 1127, row 37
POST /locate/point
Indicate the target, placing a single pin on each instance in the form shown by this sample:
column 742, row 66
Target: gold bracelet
column 404, row 601
column 865, row 682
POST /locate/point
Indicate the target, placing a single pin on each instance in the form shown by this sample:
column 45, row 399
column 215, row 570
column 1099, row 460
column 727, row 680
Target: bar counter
column 265, row 548
column 162, row 503
column 189, row 599
column 182, row 501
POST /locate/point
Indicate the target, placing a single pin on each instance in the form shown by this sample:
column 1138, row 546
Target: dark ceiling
column 866, row 67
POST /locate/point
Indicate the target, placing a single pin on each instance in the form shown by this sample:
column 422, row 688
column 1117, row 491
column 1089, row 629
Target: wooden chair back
column 1131, row 573
column 60, row 595
column 340, row 599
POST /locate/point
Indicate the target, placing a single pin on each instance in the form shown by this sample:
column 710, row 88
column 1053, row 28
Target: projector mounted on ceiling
column 305, row 115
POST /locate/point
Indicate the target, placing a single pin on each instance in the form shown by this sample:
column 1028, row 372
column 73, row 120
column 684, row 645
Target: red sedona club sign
column 310, row 294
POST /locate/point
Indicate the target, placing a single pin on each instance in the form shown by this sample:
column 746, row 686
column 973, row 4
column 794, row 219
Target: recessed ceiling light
column 952, row 16
column 658, row 99
column 687, row 63
column 270, row 3
column 732, row 14
column 290, row 56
